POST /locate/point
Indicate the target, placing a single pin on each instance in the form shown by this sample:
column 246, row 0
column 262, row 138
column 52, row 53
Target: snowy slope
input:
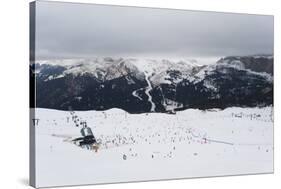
column 136, row 147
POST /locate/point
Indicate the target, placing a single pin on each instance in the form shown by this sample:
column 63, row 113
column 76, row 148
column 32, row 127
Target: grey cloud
column 67, row 30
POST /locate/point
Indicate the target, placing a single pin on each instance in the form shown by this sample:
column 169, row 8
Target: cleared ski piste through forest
column 152, row 146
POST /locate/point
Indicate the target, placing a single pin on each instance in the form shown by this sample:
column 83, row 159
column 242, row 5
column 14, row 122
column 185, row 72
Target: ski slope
column 153, row 146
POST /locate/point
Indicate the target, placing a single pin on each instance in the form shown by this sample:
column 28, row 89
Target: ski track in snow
column 135, row 147
column 134, row 93
column 148, row 89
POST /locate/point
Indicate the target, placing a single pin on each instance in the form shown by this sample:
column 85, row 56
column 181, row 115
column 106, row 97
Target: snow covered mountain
column 147, row 85
column 258, row 63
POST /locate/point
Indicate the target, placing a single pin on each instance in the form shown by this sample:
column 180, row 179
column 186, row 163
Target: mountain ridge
column 142, row 86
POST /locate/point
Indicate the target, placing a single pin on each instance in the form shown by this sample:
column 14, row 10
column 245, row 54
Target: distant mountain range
column 146, row 85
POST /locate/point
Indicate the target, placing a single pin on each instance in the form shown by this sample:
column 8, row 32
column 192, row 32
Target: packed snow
column 153, row 146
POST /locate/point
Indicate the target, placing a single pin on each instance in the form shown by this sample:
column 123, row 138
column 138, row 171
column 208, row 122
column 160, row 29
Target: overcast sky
column 68, row 30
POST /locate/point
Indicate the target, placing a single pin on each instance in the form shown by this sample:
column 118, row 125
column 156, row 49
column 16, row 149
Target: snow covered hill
column 152, row 146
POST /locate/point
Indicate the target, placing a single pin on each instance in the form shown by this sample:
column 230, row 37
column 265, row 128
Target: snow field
column 153, row 146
